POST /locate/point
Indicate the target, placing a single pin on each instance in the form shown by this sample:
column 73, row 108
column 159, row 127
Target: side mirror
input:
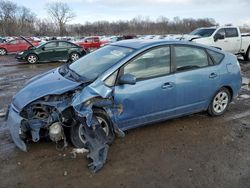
column 218, row 37
column 43, row 48
column 127, row 79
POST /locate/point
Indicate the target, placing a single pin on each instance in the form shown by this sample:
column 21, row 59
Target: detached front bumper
column 14, row 124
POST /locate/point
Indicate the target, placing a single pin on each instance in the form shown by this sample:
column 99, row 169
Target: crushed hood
column 49, row 83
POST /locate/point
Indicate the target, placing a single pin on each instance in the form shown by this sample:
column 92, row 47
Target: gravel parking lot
column 193, row 151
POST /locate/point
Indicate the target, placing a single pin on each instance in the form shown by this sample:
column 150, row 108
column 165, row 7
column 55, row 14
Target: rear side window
column 190, row 58
column 216, row 56
column 66, row 44
column 231, row 32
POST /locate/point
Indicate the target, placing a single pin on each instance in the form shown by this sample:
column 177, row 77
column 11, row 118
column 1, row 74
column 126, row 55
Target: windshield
column 203, row 32
column 97, row 62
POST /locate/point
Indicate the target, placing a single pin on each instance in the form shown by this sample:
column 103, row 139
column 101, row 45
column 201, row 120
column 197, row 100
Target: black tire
column 32, row 58
column 247, row 55
column 3, row 51
column 220, row 102
column 75, row 132
column 74, row 56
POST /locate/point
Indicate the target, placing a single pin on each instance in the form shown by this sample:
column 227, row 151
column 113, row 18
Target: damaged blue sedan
column 119, row 87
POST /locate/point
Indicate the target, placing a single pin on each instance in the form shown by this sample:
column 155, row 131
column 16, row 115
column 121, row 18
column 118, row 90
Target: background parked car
column 17, row 45
column 52, row 51
column 91, row 43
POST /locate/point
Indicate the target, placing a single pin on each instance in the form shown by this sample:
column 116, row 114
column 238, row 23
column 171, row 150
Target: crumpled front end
column 14, row 123
column 51, row 114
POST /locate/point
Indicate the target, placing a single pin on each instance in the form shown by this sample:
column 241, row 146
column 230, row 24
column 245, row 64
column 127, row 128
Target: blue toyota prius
column 122, row 86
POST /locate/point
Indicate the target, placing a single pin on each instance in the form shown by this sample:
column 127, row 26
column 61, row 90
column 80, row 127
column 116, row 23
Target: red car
column 17, row 45
column 90, row 43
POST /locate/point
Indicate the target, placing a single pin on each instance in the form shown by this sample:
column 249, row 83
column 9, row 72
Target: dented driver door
column 152, row 97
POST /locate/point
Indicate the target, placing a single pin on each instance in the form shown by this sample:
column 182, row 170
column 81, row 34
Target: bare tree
column 7, row 16
column 61, row 14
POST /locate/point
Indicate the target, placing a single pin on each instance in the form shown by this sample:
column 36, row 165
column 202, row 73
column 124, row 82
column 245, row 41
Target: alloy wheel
column 102, row 122
column 220, row 102
column 2, row 51
column 75, row 56
column 32, row 59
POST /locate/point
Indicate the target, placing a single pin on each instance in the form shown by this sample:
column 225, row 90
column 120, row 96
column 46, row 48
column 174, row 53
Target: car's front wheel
column 220, row 102
column 3, row 51
column 32, row 58
column 74, row 56
column 76, row 132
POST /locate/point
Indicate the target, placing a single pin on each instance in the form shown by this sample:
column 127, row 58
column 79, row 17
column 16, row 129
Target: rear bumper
column 14, row 124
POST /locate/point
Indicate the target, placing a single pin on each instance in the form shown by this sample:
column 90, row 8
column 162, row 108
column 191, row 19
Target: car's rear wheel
column 74, row 56
column 247, row 55
column 220, row 102
column 3, row 51
column 32, row 58
column 77, row 136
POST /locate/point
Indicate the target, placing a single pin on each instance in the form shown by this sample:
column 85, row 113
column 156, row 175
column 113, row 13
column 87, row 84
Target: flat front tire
column 77, row 137
column 220, row 102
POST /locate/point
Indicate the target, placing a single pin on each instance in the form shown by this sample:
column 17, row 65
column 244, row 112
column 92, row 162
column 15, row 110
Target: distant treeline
column 19, row 20
column 140, row 25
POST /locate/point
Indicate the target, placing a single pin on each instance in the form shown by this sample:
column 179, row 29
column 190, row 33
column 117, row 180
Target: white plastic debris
column 79, row 151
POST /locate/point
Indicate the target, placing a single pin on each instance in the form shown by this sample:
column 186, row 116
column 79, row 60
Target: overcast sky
column 236, row 12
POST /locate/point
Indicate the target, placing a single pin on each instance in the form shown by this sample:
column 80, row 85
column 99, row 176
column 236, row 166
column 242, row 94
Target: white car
column 227, row 38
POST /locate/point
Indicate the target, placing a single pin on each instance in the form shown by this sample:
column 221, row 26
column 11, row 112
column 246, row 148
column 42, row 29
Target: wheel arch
column 4, row 49
column 230, row 91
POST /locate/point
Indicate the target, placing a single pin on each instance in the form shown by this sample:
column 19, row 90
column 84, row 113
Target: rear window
column 216, row 56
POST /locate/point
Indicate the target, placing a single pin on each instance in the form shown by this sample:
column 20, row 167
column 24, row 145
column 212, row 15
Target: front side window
column 221, row 32
column 51, row 45
column 153, row 63
column 190, row 58
column 231, row 32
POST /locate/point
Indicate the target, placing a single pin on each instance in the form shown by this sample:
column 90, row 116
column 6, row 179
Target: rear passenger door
column 62, row 51
column 196, row 79
column 233, row 39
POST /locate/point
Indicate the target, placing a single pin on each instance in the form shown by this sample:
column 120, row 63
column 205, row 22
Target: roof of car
column 139, row 43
